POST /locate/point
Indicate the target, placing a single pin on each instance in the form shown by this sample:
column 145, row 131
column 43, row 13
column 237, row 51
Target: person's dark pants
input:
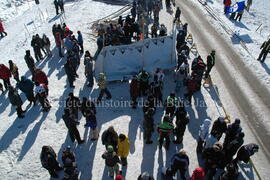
column 60, row 51
column 170, row 110
column 1, row 33
column 81, row 47
column 19, row 111
column 148, row 134
column 176, row 19
column 179, row 133
column 74, row 134
column 57, row 10
column 239, row 17
column 30, row 97
column 123, row 161
column 262, row 55
column 44, row 102
column 208, row 71
column 106, row 91
column 134, row 101
column 90, row 80
column 143, row 88
column 62, row 8
column 161, row 139
column 6, row 83
column 70, row 81
column 199, row 145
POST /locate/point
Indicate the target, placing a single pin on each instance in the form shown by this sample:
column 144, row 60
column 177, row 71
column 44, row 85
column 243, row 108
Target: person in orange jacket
column 123, row 148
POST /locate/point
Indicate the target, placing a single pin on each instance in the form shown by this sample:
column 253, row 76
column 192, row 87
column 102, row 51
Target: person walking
column 110, row 138
column 211, row 59
column 148, row 125
column 123, row 148
column 133, row 90
column 58, row 42
column 177, row 15
column 47, row 45
column 111, row 161
column 265, row 49
column 91, row 121
column 80, row 41
column 61, row 5
column 89, row 70
column 165, row 128
column 103, row 88
column 182, row 119
column 71, row 124
column 56, row 5
column 49, row 161
column 70, row 72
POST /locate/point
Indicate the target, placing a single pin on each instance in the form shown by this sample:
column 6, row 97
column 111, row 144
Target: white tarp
column 120, row 62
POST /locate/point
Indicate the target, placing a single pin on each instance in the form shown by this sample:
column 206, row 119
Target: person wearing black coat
column 110, row 137
column 87, row 104
column 74, row 104
column 16, row 101
column 56, row 5
column 265, row 49
column 184, row 48
column 148, row 125
column 181, row 122
column 71, row 73
column 219, row 126
column 211, row 59
column 232, row 131
column 245, row 152
column 179, row 162
column 27, row 87
column 61, row 5
column 35, row 43
column 232, row 147
column 180, row 39
column 49, row 161
column 111, row 160
column 29, row 61
column 71, row 124
column 177, row 15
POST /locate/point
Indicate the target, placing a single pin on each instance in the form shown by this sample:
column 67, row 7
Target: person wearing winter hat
column 123, row 148
column 203, row 132
column 111, row 161
column 198, row 174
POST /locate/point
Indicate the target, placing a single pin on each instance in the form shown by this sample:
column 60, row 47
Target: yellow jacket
column 123, row 148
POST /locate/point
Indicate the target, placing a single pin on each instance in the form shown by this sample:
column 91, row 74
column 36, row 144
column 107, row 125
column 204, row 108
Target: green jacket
column 165, row 128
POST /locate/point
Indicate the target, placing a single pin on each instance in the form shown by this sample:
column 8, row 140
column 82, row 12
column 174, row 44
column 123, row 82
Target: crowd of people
column 214, row 151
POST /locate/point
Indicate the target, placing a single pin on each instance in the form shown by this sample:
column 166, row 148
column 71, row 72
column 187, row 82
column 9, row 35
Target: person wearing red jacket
column 40, row 77
column 5, row 74
column 134, row 91
column 191, row 87
column 2, row 29
column 227, row 4
column 58, row 42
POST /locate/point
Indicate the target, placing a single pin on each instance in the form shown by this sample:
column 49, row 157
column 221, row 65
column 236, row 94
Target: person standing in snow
column 148, row 125
column 36, row 47
column 249, row 3
column 2, row 30
column 179, row 162
column 40, row 77
column 91, row 121
column 245, row 152
column 103, row 88
column 143, row 78
column 71, row 124
column 203, row 132
column 14, row 70
column 16, row 101
column 111, row 161
column 74, row 104
column 88, row 62
column 56, row 5
column 27, row 87
column 219, row 126
column 171, row 104
column 58, row 42
column 80, row 41
column 211, row 59
column 70, row 72
column 47, row 44
column 177, row 15
column 49, row 161
column 232, row 131
column 41, row 91
column 182, row 119
column 70, row 166
column 265, row 49
column 87, row 104
column 232, row 147
column 239, row 15
column 29, row 61
column 123, row 148
column 5, row 75
column 133, row 90
column 165, row 128
column 110, row 137
column 61, row 5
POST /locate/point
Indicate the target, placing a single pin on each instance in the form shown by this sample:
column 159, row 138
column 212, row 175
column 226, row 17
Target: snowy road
column 247, row 92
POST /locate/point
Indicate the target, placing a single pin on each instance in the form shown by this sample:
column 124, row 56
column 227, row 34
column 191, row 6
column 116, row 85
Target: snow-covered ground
column 22, row 139
column 253, row 29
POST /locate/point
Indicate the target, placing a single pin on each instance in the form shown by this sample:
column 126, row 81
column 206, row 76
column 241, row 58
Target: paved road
column 236, row 76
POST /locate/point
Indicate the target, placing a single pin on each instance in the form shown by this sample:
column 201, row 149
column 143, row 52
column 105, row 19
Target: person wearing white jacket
column 203, row 132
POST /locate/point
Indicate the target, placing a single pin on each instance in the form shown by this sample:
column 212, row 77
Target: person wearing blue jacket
column 27, row 87
column 80, row 41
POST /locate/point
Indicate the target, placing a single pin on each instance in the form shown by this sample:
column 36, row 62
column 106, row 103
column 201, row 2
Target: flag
column 239, row 6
